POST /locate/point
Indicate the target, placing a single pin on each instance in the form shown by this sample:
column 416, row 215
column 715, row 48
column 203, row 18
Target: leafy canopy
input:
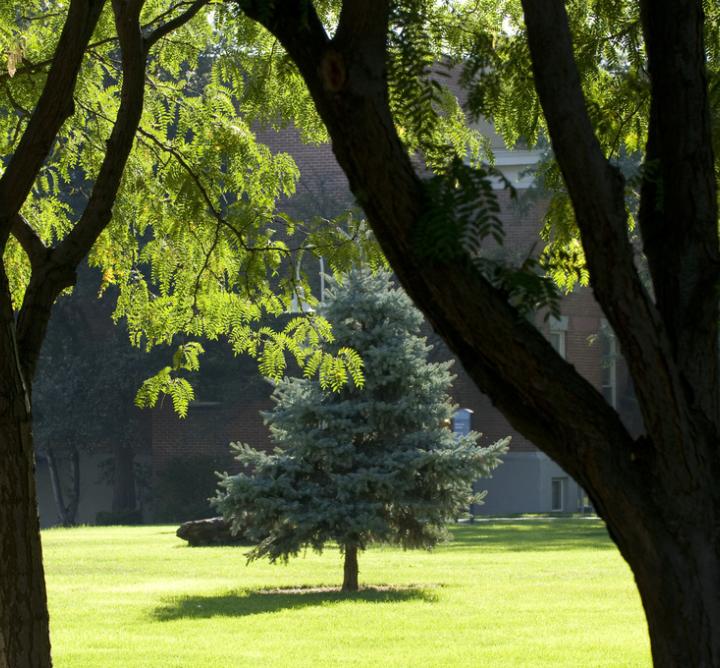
column 197, row 247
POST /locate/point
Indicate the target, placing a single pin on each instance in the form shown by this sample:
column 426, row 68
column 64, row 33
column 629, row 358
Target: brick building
column 230, row 401
column 528, row 481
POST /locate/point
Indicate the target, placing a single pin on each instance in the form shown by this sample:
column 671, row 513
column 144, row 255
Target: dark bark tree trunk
column 67, row 510
column 675, row 558
column 682, row 606
column 24, row 635
column 124, row 495
column 350, row 568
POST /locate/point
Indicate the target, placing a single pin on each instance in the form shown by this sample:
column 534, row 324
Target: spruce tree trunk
column 350, row 569
column 24, row 628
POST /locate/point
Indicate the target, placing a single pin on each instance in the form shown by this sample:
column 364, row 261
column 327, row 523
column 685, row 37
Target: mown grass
column 503, row 593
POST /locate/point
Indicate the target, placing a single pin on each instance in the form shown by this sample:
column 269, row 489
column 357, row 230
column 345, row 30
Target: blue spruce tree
column 360, row 465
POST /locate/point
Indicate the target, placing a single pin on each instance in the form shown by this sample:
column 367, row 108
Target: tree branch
column 363, row 25
column 174, row 23
column 205, row 195
column 30, row 241
column 679, row 214
column 58, row 272
column 54, row 276
column 597, row 193
column 540, row 394
column 54, row 106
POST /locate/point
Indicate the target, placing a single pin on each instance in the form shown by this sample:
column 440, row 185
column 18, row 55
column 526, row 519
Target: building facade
column 230, row 405
column 528, row 481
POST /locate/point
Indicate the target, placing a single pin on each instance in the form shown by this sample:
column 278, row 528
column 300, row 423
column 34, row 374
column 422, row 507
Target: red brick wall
column 208, row 429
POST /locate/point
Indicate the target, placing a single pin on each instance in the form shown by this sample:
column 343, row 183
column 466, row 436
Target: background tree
column 369, row 73
column 85, row 384
column 366, row 464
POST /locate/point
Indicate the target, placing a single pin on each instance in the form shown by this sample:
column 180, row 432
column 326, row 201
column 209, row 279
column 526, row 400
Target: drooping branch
column 54, row 106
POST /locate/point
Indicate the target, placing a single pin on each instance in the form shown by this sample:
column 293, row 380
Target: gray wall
column 94, row 494
column 523, row 484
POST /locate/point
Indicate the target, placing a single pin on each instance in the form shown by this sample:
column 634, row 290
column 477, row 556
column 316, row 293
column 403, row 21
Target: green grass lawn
column 503, row 593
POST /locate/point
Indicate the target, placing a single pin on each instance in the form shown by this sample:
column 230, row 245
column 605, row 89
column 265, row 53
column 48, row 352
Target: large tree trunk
column 24, row 634
column 683, row 621
column 678, row 575
column 350, row 568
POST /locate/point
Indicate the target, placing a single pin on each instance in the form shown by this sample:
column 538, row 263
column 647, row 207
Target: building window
column 462, row 422
column 608, row 364
column 557, row 502
column 556, row 334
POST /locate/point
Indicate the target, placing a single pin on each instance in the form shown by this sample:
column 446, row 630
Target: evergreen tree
column 363, row 464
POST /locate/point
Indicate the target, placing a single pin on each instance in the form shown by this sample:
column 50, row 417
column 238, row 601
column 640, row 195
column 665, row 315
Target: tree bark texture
column 350, row 568
column 678, row 576
column 658, row 493
column 24, row 626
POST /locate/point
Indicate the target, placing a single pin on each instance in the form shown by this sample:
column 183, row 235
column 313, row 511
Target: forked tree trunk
column 24, row 635
column 350, row 568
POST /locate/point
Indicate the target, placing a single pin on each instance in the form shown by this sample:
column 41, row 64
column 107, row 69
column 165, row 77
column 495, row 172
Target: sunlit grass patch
column 503, row 593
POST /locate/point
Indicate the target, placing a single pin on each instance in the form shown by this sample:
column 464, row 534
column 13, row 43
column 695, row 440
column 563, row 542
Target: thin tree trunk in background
column 56, row 485
column 350, row 569
column 72, row 507
column 67, row 512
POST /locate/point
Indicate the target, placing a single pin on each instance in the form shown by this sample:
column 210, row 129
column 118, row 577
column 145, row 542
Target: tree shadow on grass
column 531, row 535
column 242, row 603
